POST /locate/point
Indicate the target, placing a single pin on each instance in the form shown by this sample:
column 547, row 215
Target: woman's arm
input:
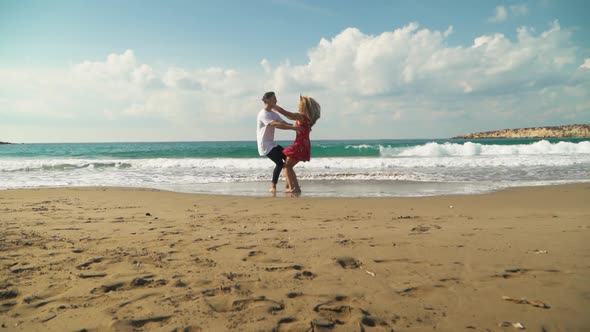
column 287, row 114
column 284, row 125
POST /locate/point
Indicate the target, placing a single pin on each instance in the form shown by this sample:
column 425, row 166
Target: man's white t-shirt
column 265, row 135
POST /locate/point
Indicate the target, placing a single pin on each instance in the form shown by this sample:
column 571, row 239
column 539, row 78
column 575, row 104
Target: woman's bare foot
column 293, row 191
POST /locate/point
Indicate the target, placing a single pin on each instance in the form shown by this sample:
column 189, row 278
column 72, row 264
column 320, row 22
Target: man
column 267, row 121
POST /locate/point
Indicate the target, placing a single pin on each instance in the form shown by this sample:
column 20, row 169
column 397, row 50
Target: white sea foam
column 433, row 149
column 469, row 166
column 229, row 164
column 362, row 147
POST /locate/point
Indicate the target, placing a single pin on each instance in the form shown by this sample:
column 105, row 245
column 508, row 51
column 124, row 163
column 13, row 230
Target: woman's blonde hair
column 310, row 108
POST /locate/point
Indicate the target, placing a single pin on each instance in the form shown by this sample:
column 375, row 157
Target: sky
column 121, row 71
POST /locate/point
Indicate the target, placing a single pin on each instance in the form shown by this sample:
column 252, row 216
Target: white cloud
column 466, row 87
column 121, row 88
column 410, row 60
column 117, row 66
column 403, row 83
column 178, row 78
column 411, row 64
column 502, row 13
column 448, row 32
column 519, row 10
column 564, row 60
column 266, row 66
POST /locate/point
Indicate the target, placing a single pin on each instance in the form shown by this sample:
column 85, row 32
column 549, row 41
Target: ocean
column 346, row 168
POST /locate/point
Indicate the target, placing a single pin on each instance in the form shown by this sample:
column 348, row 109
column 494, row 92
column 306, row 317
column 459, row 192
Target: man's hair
column 268, row 95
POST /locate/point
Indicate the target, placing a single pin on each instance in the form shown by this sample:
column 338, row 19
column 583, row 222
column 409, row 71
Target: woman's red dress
column 300, row 149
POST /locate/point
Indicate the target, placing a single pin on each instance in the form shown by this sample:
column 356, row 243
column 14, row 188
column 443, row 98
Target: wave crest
column 468, row 149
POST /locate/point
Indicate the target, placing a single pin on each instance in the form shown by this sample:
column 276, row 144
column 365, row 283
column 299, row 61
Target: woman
column 300, row 150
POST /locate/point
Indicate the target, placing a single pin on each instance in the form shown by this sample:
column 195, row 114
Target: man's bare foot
column 273, row 190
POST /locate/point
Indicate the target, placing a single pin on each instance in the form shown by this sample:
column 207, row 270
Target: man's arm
column 284, row 125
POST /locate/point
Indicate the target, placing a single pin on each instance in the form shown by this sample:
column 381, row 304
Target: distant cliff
column 567, row 131
column 5, row 143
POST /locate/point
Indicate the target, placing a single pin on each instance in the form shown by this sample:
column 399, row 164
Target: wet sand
column 105, row 259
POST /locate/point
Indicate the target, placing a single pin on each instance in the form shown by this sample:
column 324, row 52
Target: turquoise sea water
column 238, row 149
column 337, row 168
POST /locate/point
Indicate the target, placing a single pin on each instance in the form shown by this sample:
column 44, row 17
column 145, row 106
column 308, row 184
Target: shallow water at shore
column 369, row 168
column 337, row 188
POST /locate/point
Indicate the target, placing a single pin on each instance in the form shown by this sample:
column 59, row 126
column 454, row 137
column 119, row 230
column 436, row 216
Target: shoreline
column 104, row 258
column 259, row 189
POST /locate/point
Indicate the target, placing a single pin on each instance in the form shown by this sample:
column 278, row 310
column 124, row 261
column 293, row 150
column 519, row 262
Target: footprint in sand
column 516, row 272
column 139, row 323
column 417, row 291
column 343, row 311
column 273, row 306
column 88, row 263
column 283, row 245
column 108, row 288
column 8, row 294
column 260, row 303
column 345, row 242
column 142, row 297
column 348, row 262
column 399, row 260
column 24, row 269
column 421, row 229
column 147, row 281
column 216, row 247
column 218, row 290
column 246, row 247
column 205, row 262
column 89, row 276
column 283, row 321
column 293, row 295
column 258, row 256
column 510, row 273
column 284, row 268
column 144, row 281
column 453, row 280
column 305, row 275
column 406, row 217
column 231, row 276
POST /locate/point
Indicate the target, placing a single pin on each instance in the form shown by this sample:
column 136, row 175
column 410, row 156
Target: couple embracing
column 269, row 119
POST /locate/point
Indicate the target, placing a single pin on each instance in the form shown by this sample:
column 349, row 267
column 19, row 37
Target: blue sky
column 195, row 70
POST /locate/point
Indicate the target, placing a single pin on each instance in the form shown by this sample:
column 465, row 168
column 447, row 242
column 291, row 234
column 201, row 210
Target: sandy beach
column 104, row 259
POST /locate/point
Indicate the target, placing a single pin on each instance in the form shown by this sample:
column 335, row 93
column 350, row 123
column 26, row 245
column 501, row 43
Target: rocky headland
column 565, row 131
column 5, row 143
